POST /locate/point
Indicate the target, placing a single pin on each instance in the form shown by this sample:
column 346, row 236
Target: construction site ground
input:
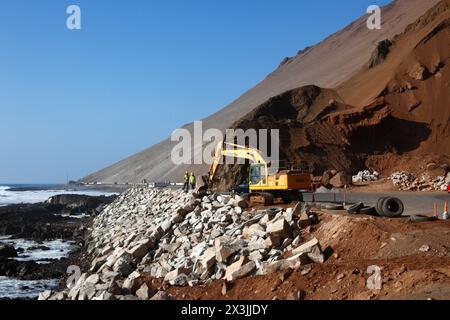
column 414, row 257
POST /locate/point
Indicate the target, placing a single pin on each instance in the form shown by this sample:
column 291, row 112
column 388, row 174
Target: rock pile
column 405, row 181
column 366, row 176
column 187, row 240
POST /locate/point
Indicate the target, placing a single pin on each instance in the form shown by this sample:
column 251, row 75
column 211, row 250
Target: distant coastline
column 65, row 187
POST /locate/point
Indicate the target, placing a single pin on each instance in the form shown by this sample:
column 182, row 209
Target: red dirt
column 393, row 116
column 355, row 243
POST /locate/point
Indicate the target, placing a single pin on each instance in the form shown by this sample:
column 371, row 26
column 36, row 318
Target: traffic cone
column 445, row 215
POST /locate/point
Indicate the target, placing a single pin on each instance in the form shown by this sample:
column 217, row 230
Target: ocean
column 34, row 193
column 28, row 194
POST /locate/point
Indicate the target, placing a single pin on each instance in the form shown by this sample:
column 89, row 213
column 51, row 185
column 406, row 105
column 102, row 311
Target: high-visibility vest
column 192, row 179
column 186, row 178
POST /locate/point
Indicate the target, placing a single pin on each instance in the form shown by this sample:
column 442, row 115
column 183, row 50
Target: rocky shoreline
column 151, row 239
column 62, row 219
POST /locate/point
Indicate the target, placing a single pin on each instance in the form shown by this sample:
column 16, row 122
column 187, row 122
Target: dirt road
column 415, row 202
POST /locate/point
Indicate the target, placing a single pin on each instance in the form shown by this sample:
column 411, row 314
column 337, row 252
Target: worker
column 193, row 181
column 186, row 182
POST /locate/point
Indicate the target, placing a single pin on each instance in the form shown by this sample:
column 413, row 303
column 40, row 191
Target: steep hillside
column 328, row 64
column 393, row 114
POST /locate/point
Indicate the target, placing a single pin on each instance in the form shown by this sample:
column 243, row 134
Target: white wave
column 15, row 197
column 19, row 289
column 57, row 249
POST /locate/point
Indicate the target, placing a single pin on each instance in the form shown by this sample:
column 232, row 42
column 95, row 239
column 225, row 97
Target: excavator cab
column 257, row 173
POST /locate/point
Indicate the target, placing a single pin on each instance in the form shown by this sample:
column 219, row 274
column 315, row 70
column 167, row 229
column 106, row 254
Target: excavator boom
column 284, row 184
column 236, row 151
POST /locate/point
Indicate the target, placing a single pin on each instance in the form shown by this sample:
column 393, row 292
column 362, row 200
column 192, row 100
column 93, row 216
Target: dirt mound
column 353, row 245
column 397, row 109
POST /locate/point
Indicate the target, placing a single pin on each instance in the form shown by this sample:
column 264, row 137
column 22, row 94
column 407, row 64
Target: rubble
column 167, row 234
column 406, row 181
column 366, row 176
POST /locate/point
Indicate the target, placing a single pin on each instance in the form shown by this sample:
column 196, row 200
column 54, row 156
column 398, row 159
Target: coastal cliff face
column 150, row 234
column 329, row 64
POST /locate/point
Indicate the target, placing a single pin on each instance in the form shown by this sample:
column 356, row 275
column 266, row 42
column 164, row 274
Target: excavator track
column 261, row 198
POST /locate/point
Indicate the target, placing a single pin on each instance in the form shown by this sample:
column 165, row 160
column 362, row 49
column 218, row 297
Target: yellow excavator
column 264, row 188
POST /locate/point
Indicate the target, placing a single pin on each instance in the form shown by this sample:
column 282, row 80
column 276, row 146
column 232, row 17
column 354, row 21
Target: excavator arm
column 235, row 151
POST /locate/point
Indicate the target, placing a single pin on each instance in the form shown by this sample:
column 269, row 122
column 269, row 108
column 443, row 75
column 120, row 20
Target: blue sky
column 73, row 102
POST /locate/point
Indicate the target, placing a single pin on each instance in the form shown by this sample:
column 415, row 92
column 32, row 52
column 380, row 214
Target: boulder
column 208, row 259
column 242, row 272
column 272, row 242
column 312, row 249
column 123, row 265
column 340, row 180
column 198, row 250
column 326, row 177
column 171, row 276
column 166, row 225
column 93, row 279
column 254, row 230
column 141, row 248
column 131, row 283
column 256, row 255
column 7, row 251
column 144, row 292
column 45, row 295
column 279, row 228
column 97, row 263
column 225, row 248
column 235, row 267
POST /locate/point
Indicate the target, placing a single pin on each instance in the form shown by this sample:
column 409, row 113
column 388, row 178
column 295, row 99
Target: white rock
column 312, row 249
column 224, row 249
column 45, row 295
column 144, row 292
column 131, row 283
column 93, row 279
column 171, row 276
column 242, row 272
column 279, row 228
